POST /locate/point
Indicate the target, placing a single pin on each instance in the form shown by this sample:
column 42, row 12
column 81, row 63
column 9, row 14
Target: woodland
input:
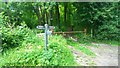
column 22, row 44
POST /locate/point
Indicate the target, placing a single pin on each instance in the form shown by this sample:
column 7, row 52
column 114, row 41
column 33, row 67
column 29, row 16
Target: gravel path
column 106, row 55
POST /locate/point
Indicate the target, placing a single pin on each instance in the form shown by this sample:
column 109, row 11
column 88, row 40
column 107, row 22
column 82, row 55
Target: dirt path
column 106, row 55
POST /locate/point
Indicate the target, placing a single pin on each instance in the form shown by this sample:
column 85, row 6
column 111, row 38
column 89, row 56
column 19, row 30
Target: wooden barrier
column 71, row 32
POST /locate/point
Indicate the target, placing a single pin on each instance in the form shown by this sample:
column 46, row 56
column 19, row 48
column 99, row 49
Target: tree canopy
column 100, row 19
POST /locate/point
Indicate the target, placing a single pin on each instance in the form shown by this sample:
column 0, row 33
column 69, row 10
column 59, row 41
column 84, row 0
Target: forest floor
column 106, row 55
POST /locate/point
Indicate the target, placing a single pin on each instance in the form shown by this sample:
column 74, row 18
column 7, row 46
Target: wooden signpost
column 47, row 32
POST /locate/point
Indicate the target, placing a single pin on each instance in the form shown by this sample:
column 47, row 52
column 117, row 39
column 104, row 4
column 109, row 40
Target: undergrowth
column 30, row 51
column 87, row 40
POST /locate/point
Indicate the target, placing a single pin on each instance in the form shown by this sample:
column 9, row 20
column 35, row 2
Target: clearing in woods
column 106, row 55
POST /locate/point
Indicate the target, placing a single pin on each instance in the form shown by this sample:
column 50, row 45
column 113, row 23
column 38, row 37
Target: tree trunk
column 69, row 25
column 46, row 17
column 37, row 11
column 58, row 15
column 51, row 16
column 43, row 16
column 65, row 13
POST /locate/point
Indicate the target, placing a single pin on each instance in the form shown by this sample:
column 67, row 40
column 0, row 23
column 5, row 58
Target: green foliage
column 12, row 37
column 28, row 49
column 98, row 18
column 109, row 31
column 32, row 53
column 1, row 20
column 62, row 55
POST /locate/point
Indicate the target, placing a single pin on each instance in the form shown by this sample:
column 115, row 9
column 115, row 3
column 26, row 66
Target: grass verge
column 80, row 47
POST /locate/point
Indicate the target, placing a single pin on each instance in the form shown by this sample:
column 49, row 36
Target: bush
column 109, row 31
column 12, row 37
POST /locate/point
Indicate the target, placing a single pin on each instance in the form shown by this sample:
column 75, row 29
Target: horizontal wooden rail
column 71, row 32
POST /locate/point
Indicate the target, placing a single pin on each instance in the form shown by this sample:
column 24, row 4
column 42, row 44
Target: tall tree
column 51, row 16
column 65, row 12
column 43, row 16
column 37, row 9
column 57, row 14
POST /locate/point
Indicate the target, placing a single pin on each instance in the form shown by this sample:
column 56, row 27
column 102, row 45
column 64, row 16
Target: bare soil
column 106, row 55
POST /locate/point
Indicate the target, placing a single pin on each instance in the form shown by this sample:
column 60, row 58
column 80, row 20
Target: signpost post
column 46, row 36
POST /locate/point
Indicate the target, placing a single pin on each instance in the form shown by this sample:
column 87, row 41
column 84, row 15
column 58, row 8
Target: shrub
column 12, row 37
column 109, row 31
